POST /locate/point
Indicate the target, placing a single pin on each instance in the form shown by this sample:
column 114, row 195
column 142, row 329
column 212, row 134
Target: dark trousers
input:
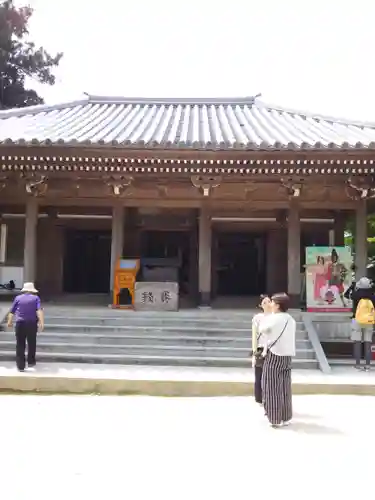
column 26, row 332
column 357, row 349
column 258, row 384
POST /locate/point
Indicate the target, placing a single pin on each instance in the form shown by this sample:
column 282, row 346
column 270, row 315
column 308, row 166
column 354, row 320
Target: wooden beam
column 188, row 203
column 120, row 151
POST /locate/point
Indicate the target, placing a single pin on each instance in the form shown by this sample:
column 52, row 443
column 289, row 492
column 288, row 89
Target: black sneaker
column 367, row 368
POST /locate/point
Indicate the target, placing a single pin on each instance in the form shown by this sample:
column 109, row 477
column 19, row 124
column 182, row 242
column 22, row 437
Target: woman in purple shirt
column 27, row 309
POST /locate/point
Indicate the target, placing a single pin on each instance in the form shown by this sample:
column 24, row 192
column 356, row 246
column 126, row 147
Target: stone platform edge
column 167, row 385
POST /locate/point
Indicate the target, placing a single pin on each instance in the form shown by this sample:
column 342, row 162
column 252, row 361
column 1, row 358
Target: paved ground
column 174, row 381
column 78, row 447
column 338, row 375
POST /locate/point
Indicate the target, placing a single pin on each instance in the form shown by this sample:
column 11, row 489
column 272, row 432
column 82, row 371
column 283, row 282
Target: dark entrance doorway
column 172, row 247
column 87, row 261
column 240, row 263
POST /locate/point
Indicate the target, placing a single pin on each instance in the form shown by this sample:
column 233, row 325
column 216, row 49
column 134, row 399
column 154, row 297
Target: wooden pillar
column 339, row 229
column 3, row 242
column 271, row 255
column 118, row 221
column 204, row 259
column 214, row 264
column 361, row 239
column 331, row 237
column 193, row 257
column 132, row 243
column 31, row 222
column 50, row 254
column 277, row 257
column 294, row 255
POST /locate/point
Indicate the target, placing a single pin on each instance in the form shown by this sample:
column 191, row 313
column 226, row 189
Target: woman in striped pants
column 279, row 333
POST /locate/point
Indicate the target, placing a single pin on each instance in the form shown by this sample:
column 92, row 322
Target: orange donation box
column 124, row 283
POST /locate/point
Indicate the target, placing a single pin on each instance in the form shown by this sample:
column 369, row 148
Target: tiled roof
column 202, row 124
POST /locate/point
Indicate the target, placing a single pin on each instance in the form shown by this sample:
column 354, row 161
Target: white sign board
column 3, row 242
column 156, row 296
column 8, row 273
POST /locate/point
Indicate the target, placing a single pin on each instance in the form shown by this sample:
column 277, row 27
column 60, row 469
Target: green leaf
column 20, row 58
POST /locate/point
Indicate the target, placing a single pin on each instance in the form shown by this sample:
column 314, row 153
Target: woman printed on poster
column 336, row 274
column 320, row 279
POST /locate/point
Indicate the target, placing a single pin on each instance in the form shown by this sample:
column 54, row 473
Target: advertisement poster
column 328, row 276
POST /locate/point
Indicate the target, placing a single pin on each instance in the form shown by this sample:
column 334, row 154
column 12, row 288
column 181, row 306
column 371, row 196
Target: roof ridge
column 317, row 116
column 97, row 99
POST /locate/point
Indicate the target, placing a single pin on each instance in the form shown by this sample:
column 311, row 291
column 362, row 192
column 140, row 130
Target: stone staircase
column 186, row 338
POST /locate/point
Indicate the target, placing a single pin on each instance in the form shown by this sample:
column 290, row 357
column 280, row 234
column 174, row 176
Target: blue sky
column 314, row 56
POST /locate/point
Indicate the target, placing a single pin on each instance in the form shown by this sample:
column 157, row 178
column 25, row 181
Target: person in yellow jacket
column 363, row 300
column 257, row 345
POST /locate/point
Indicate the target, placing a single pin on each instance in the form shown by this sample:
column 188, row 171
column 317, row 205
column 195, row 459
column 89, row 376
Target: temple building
column 224, row 193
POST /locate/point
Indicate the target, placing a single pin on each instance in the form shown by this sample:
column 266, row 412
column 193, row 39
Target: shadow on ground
column 313, row 428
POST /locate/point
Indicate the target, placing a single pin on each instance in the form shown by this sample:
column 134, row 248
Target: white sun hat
column 29, row 287
column 363, row 283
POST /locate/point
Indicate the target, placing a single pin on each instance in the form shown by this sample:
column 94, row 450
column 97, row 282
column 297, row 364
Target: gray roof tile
column 242, row 123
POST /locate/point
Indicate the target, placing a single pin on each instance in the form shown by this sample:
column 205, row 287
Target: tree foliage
column 19, row 58
column 350, row 236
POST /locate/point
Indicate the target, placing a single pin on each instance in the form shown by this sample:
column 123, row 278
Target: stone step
column 177, row 330
column 344, row 361
column 108, row 311
column 225, row 322
column 138, row 350
column 123, row 359
column 185, row 338
column 98, row 310
column 159, row 340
